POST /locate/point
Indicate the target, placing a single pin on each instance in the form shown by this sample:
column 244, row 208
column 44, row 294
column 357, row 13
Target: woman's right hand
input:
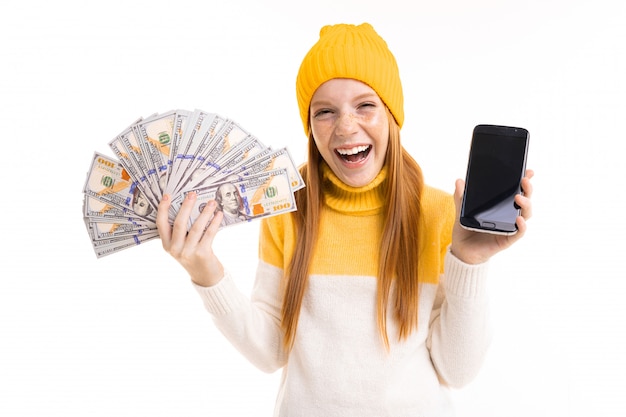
column 193, row 249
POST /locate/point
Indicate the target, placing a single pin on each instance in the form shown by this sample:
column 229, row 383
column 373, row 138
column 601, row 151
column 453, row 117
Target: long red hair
column 399, row 244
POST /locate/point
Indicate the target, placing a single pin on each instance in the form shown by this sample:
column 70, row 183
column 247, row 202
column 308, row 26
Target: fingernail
column 166, row 197
column 191, row 195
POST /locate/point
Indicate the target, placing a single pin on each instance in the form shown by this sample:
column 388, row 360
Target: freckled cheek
column 321, row 132
column 376, row 124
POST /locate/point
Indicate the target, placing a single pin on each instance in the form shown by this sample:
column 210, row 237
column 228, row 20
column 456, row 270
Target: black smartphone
column 496, row 166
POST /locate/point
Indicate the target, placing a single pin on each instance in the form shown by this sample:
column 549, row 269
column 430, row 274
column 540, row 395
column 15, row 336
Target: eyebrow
column 357, row 98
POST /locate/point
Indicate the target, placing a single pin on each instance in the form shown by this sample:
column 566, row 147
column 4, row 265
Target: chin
column 358, row 182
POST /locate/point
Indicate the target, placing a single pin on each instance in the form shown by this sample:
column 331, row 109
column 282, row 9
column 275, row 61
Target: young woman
column 371, row 297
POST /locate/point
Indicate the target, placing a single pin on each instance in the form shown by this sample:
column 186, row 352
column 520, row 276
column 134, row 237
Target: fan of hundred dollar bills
column 175, row 153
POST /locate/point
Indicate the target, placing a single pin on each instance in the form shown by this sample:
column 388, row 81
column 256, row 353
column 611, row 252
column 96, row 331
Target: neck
column 339, row 196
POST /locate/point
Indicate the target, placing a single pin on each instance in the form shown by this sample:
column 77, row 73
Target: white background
column 126, row 335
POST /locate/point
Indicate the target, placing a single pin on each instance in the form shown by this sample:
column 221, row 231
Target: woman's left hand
column 476, row 247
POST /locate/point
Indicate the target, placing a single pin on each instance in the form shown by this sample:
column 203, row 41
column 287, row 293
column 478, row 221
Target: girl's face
column 350, row 128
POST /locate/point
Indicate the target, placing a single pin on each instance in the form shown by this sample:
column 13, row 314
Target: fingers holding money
column 162, row 222
column 207, row 224
column 179, row 237
column 172, row 154
column 192, row 247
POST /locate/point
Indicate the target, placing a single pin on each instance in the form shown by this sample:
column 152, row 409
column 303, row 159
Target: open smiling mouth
column 356, row 154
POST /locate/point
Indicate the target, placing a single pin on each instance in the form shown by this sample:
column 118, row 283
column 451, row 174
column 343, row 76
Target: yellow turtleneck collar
column 366, row 200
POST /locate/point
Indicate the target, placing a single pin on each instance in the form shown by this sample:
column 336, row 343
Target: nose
column 346, row 124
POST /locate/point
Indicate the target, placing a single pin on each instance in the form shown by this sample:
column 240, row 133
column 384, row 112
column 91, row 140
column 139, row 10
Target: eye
column 322, row 113
column 367, row 105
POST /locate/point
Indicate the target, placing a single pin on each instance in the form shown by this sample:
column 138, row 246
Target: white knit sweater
column 339, row 365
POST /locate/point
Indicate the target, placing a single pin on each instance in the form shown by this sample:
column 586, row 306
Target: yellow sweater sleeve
column 277, row 240
column 438, row 216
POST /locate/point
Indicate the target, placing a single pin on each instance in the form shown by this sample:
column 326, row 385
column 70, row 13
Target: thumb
column 459, row 187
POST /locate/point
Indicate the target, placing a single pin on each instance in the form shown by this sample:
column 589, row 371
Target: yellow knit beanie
column 350, row 51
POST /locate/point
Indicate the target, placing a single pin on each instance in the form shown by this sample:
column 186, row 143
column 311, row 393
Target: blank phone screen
column 495, row 169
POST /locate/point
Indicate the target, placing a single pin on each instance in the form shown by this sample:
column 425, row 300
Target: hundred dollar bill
column 117, row 240
column 241, row 164
column 101, row 230
column 279, row 158
column 178, row 152
column 210, row 172
column 204, row 139
column 106, row 247
column 263, row 162
column 256, row 196
column 156, row 139
column 180, row 124
column 95, row 208
column 131, row 143
column 98, row 211
column 228, row 138
column 213, row 141
column 189, row 142
column 138, row 177
column 239, row 153
column 108, row 182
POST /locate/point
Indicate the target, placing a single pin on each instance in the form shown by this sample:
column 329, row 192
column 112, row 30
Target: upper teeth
column 352, row 151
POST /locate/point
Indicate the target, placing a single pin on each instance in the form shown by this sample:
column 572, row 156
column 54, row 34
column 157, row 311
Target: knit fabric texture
column 338, row 366
column 350, row 51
